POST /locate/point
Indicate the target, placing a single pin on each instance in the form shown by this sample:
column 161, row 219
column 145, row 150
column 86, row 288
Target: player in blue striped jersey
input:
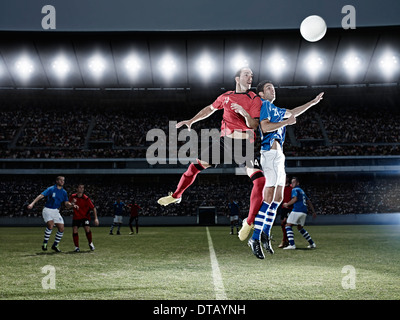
column 273, row 122
column 300, row 203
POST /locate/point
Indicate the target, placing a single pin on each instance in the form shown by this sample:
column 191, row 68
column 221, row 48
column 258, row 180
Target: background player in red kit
column 240, row 118
column 81, row 216
column 284, row 212
column 134, row 216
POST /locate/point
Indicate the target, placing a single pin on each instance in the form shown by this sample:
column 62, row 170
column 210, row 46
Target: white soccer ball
column 313, row 28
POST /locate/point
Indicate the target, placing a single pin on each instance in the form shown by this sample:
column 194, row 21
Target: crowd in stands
column 73, row 134
column 352, row 196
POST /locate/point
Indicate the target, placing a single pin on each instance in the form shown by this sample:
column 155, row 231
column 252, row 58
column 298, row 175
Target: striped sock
column 47, row 234
column 58, row 237
column 290, row 235
column 270, row 218
column 306, row 236
column 259, row 221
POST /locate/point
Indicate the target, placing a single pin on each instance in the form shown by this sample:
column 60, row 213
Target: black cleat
column 266, row 243
column 44, row 247
column 256, row 248
column 55, row 248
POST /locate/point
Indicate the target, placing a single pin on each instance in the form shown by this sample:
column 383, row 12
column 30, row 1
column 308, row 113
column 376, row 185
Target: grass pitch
column 173, row 263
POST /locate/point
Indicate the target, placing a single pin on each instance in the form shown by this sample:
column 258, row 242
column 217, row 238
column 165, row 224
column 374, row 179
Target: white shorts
column 118, row 219
column 297, row 218
column 234, row 218
column 52, row 215
column 273, row 165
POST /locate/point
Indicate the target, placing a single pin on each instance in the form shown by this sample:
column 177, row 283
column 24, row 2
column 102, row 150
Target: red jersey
column 232, row 120
column 85, row 206
column 134, row 210
column 287, row 195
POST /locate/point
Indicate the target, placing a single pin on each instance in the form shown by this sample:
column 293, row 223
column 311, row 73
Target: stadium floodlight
column 389, row 64
column 314, row 64
column 205, row 66
column 132, row 65
column 239, row 61
column 167, row 66
column 352, row 64
column 24, row 67
column 277, row 64
column 97, row 65
column 61, row 66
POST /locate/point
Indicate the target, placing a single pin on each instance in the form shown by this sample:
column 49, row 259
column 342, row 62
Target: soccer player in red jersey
column 134, row 216
column 81, row 216
column 240, row 118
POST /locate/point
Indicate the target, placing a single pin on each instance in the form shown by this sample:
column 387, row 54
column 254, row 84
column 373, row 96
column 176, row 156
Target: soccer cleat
column 164, row 201
column 245, row 230
column 311, row 246
column 289, row 247
column 91, row 246
column 283, row 244
column 77, row 249
column 266, row 243
column 256, row 248
column 44, row 247
column 55, row 248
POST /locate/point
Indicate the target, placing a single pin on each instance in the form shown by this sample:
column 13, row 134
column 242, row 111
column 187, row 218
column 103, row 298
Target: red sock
column 89, row 236
column 256, row 196
column 187, row 179
column 75, row 236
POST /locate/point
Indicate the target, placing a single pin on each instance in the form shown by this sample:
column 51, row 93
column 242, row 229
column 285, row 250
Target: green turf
column 174, row 263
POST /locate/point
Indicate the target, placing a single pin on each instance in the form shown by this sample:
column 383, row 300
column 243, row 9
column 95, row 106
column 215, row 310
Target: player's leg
column 185, row 182
column 59, row 235
column 290, row 236
column 306, row 235
column 130, row 224
column 89, row 236
column 137, row 224
column 47, row 234
column 256, row 200
column 75, row 234
column 285, row 240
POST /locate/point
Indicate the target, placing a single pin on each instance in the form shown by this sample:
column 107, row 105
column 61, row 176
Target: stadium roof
column 126, row 60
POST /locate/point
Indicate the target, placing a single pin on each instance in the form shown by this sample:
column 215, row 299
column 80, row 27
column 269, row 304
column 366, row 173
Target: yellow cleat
column 245, row 230
column 164, row 201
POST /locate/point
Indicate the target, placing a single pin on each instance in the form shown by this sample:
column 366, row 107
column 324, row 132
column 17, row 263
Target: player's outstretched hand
column 182, row 123
column 318, row 98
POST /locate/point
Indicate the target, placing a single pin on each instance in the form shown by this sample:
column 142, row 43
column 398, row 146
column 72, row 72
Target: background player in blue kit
column 118, row 212
column 273, row 122
column 300, row 203
column 55, row 195
column 234, row 212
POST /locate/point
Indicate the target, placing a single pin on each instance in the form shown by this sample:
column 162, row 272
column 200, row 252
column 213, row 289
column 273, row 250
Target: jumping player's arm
column 252, row 123
column 38, row 198
column 303, row 108
column 202, row 114
column 70, row 205
column 268, row 126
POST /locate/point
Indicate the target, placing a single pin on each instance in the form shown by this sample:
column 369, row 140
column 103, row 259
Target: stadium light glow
column 168, row 66
column 205, row 66
column 132, row 64
column 389, row 64
column 239, row 61
column 24, row 67
column 97, row 65
column 277, row 64
column 314, row 64
column 352, row 64
column 61, row 66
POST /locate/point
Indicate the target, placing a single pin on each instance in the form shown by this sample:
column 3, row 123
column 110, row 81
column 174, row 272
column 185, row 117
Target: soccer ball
column 313, row 28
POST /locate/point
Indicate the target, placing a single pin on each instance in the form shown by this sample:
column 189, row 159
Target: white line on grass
column 216, row 273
